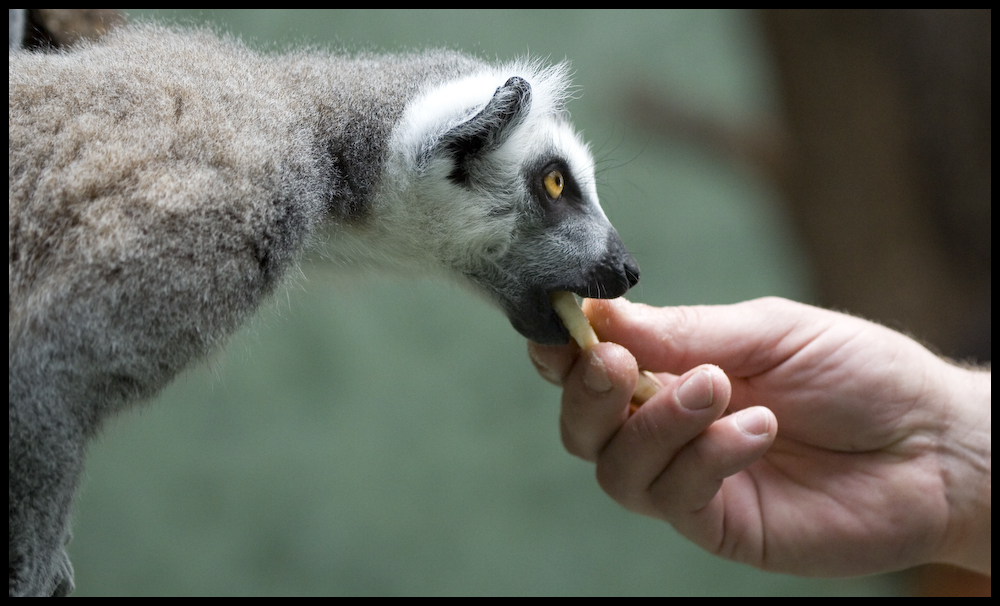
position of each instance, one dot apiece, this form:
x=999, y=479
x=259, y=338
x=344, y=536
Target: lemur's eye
x=554, y=183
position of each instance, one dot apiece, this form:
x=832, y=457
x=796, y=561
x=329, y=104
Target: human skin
x=787, y=437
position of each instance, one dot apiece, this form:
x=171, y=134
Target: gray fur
x=161, y=184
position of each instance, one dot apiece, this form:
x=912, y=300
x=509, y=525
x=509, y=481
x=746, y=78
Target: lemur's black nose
x=612, y=276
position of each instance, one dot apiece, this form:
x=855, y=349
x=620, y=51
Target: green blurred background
x=374, y=436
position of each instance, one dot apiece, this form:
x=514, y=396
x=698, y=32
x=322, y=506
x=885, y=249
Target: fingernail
x=753, y=421
x=595, y=375
x=696, y=392
x=544, y=369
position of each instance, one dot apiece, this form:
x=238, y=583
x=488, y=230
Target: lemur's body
x=161, y=184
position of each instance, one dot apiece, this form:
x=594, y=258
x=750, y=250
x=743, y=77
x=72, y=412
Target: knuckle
x=684, y=326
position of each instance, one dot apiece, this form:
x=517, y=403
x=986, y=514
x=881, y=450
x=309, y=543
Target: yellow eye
x=554, y=183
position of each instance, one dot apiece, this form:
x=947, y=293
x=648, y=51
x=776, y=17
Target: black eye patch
x=570, y=198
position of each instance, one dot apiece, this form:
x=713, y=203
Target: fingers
x=598, y=384
x=595, y=399
x=668, y=459
x=553, y=362
x=696, y=473
x=649, y=440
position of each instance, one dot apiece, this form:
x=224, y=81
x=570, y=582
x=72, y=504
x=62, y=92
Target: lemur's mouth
x=536, y=320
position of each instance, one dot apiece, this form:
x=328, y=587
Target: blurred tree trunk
x=51, y=28
x=888, y=164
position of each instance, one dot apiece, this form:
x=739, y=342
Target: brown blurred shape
x=62, y=27
x=888, y=173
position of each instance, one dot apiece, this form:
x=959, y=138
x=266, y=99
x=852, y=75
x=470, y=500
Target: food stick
x=583, y=333
x=572, y=316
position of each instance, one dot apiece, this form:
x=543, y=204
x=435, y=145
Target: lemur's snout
x=612, y=275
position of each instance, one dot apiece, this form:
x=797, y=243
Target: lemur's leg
x=46, y=453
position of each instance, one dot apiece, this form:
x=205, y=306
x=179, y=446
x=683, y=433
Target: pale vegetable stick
x=645, y=387
x=583, y=333
x=564, y=302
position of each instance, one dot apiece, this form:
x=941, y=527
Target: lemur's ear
x=488, y=129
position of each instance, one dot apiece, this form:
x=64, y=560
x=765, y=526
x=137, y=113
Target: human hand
x=882, y=460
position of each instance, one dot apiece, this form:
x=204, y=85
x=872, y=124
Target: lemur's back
x=122, y=172
x=171, y=203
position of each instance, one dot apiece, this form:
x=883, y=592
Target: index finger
x=744, y=339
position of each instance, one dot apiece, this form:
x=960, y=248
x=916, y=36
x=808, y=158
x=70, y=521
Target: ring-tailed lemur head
x=490, y=168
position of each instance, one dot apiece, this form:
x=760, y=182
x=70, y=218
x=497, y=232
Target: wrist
x=967, y=469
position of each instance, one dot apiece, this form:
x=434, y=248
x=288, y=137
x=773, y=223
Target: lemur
x=161, y=182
